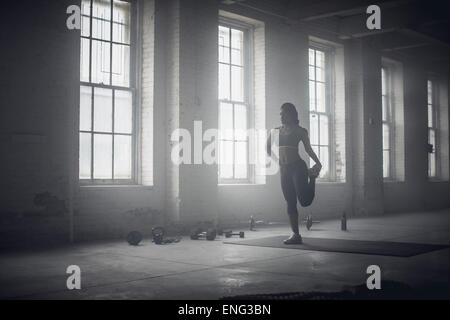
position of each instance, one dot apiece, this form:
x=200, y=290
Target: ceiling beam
x=406, y=47
x=425, y=37
x=333, y=8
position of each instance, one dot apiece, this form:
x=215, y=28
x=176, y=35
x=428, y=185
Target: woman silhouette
x=297, y=182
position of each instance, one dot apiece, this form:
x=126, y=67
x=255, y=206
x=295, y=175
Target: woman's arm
x=308, y=149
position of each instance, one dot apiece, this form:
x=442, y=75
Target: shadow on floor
x=391, y=290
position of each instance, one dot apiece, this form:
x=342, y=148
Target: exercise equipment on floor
x=198, y=234
x=309, y=221
x=134, y=237
x=344, y=222
x=229, y=234
x=158, y=236
x=252, y=223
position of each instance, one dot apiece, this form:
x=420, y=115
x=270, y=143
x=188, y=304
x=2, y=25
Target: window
x=438, y=128
x=320, y=112
x=392, y=120
x=432, y=128
x=387, y=121
x=234, y=103
x=107, y=131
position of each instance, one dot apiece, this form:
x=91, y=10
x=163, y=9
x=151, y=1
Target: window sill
x=330, y=182
x=240, y=184
x=392, y=181
x=437, y=180
x=114, y=186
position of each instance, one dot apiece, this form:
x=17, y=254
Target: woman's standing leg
x=290, y=195
x=288, y=188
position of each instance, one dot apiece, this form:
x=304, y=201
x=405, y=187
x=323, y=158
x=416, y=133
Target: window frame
x=248, y=67
x=390, y=119
x=435, y=127
x=330, y=104
x=133, y=84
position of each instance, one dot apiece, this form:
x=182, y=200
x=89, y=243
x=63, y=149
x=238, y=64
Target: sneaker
x=294, y=239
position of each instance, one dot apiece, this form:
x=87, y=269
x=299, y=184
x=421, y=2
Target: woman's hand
x=319, y=166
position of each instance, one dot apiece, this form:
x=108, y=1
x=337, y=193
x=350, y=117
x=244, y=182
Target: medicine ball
x=134, y=237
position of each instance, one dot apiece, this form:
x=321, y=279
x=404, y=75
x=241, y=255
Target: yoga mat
x=383, y=248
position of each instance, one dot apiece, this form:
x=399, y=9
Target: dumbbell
x=158, y=235
x=198, y=234
x=229, y=234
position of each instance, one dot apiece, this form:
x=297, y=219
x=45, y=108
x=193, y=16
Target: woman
x=293, y=170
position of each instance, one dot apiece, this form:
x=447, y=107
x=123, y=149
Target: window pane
x=384, y=108
x=432, y=138
x=320, y=59
x=224, y=36
x=85, y=108
x=316, y=151
x=121, y=65
x=312, y=73
x=311, y=57
x=432, y=164
x=323, y=127
x=386, y=159
x=324, y=158
x=224, y=81
x=383, y=81
x=100, y=62
x=237, y=39
x=123, y=111
x=85, y=18
x=226, y=159
x=102, y=110
x=314, y=128
x=237, y=81
x=312, y=96
x=101, y=29
x=430, y=92
x=122, y=157
x=386, y=144
x=121, y=21
x=102, y=156
x=85, y=26
x=240, y=160
x=226, y=121
x=102, y=9
x=224, y=54
x=320, y=97
x=84, y=60
x=240, y=122
x=430, y=116
x=237, y=57
x=320, y=74
x=86, y=7
x=85, y=156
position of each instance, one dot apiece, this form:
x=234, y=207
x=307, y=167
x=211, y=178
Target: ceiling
x=411, y=28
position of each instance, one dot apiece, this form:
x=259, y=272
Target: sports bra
x=288, y=140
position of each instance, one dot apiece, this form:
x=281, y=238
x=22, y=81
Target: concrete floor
x=211, y=269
